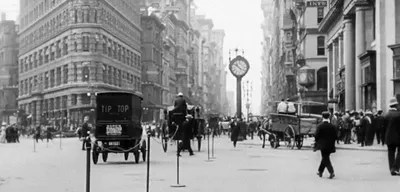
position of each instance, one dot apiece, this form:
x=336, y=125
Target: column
x=340, y=45
x=360, y=48
x=71, y=72
x=335, y=66
x=349, y=58
x=38, y=112
x=330, y=69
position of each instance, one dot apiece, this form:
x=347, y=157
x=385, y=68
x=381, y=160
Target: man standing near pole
x=188, y=126
x=85, y=129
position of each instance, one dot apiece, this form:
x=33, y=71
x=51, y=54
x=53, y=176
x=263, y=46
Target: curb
x=337, y=147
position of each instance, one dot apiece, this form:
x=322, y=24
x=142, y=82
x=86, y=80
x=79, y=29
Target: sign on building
x=317, y=3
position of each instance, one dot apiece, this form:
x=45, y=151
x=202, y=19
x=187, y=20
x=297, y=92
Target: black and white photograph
x=199, y=95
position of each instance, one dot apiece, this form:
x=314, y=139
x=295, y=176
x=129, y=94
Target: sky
x=241, y=21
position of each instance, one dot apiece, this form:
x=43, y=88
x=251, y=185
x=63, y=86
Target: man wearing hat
x=180, y=104
x=392, y=137
x=325, y=138
x=188, y=127
x=347, y=121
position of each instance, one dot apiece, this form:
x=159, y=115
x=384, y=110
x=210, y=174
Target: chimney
x=3, y=16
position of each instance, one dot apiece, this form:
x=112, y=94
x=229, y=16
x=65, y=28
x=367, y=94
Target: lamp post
x=92, y=93
x=248, y=90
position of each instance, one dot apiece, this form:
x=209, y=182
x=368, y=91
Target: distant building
x=231, y=97
x=8, y=69
x=70, y=50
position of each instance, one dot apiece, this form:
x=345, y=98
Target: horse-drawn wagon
x=291, y=129
x=172, y=121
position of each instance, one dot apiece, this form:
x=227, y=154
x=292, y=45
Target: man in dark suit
x=188, y=127
x=235, y=129
x=379, y=122
x=85, y=129
x=325, y=138
x=391, y=124
x=180, y=104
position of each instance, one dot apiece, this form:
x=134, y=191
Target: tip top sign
x=317, y=3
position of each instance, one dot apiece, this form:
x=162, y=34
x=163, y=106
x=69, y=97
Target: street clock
x=239, y=66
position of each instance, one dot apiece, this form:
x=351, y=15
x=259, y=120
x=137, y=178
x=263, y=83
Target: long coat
x=180, y=105
x=325, y=137
x=391, y=124
x=235, y=131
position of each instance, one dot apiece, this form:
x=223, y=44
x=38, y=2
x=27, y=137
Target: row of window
x=62, y=75
x=85, y=42
x=38, y=11
x=80, y=15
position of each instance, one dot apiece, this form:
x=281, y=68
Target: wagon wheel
x=95, y=153
x=289, y=137
x=299, y=141
x=164, y=140
x=105, y=156
x=273, y=141
x=143, y=150
x=126, y=156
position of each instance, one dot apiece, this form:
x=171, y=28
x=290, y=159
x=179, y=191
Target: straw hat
x=393, y=101
x=189, y=116
x=368, y=112
x=3, y=124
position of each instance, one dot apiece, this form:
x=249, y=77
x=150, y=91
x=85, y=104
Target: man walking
x=379, y=122
x=325, y=138
x=85, y=129
x=392, y=122
x=188, y=126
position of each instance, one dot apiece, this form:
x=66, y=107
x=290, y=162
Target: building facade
x=70, y=50
x=153, y=70
x=359, y=53
x=311, y=55
x=278, y=75
x=8, y=69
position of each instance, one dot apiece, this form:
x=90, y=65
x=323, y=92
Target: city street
x=247, y=167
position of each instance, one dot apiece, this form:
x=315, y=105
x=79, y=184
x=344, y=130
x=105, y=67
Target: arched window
x=322, y=79
x=321, y=45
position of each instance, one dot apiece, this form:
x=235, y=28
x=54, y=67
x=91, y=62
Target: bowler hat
x=393, y=102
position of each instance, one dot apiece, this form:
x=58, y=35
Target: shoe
x=319, y=174
x=332, y=175
x=394, y=173
x=191, y=154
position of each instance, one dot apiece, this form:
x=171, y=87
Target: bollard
x=88, y=150
x=60, y=139
x=34, y=143
x=177, y=164
x=212, y=147
x=208, y=146
x=148, y=161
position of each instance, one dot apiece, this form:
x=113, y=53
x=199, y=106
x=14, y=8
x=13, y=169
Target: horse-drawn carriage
x=170, y=131
x=292, y=129
x=118, y=127
x=213, y=124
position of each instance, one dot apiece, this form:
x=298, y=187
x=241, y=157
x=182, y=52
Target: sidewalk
x=309, y=141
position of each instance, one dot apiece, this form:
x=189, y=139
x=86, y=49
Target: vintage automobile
x=118, y=126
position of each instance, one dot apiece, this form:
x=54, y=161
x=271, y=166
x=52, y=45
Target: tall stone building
x=153, y=71
x=70, y=50
x=8, y=69
x=281, y=82
x=218, y=73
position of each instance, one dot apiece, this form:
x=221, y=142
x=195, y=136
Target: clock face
x=303, y=77
x=239, y=67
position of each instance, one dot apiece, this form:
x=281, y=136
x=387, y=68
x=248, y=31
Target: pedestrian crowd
x=362, y=128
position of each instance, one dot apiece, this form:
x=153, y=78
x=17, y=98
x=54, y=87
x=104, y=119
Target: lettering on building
x=317, y=3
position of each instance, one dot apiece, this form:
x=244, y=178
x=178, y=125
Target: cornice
x=331, y=16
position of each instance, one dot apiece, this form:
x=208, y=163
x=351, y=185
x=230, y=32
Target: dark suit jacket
x=392, y=126
x=85, y=129
x=180, y=105
x=188, y=126
x=325, y=137
x=235, y=129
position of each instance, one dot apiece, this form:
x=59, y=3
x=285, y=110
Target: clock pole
x=239, y=66
x=239, y=97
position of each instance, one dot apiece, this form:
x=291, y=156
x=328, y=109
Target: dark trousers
x=394, y=160
x=346, y=136
x=380, y=136
x=234, y=142
x=84, y=144
x=185, y=145
x=325, y=163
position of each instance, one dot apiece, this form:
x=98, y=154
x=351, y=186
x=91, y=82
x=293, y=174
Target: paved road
x=245, y=168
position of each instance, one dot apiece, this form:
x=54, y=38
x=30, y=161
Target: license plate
x=114, y=143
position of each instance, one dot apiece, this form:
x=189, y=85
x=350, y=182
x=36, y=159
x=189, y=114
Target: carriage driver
x=180, y=104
